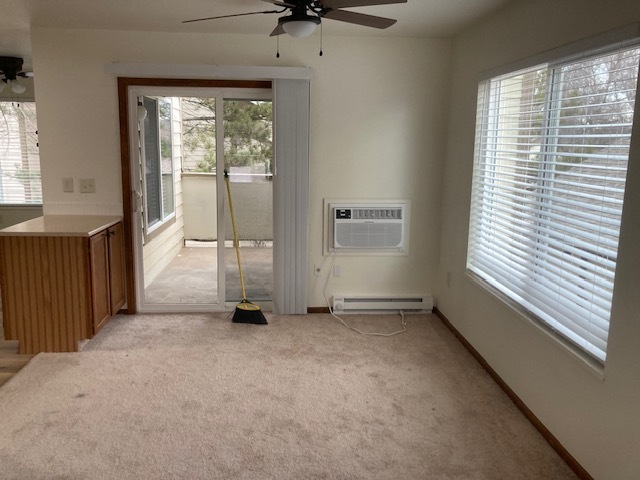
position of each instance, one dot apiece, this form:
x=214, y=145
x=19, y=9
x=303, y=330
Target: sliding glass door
x=184, y=244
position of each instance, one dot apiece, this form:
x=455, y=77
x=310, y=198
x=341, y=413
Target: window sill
x=20, y=205
x=588, y=363
x=158, y=229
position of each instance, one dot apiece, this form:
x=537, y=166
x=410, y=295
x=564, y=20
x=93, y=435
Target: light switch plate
x=87, y=185
x=67, y=185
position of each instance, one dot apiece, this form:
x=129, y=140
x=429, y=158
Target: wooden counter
x=62, y=278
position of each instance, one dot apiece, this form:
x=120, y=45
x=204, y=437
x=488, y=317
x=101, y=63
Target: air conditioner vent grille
x=368, y=235
x=376, y=213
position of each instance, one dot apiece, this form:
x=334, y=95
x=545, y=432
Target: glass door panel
x=181, y=261
x=248, y=157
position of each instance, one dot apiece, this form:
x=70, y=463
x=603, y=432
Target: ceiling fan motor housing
x=295, y=17
x=10, y=67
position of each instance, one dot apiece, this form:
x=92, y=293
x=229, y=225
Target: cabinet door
x=116, y=267
x=99, y=256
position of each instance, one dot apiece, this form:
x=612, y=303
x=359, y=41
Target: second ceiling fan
x=306, y=15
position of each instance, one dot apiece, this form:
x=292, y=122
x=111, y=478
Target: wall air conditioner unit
x=369, y=227
x=370, y=304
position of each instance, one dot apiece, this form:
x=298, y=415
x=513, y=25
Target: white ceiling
x=417, y=18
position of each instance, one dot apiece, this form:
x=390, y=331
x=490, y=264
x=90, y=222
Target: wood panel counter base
x=59, y=290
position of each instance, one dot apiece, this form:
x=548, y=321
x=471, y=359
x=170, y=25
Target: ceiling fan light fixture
x=299, y=27
x=16, y=87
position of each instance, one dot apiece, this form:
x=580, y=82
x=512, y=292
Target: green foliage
x=208, y=163
x=247, y=132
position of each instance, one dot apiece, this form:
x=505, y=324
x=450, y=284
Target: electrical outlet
x=87, y=185
x=67, y=185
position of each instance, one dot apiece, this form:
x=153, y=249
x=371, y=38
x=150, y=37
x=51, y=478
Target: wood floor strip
x=11, y=362
x=8, y=346
x=5, y=377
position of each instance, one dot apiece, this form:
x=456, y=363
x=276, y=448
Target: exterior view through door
x=184, y=241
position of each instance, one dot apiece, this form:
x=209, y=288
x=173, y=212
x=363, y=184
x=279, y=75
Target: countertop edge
x=62, y=226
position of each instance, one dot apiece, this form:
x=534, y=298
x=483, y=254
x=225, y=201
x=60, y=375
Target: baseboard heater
x=371, y=304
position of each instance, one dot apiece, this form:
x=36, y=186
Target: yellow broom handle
x=235, y=235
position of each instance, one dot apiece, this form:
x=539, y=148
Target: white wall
x=378, y=122
x=597, y=420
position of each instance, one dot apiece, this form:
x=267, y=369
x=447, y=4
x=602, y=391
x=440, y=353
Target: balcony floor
x=192, y=276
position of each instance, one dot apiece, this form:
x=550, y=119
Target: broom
x=246, y=312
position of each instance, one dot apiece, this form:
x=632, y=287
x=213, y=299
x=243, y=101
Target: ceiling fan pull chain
x=278, y=46
x=321, y=53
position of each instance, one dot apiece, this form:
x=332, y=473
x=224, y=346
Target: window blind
x=551, y=153
x=20, y=181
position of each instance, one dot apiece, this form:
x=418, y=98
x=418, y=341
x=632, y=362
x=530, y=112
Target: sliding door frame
x=129, y=88
x=220, y=95
x=290, y=265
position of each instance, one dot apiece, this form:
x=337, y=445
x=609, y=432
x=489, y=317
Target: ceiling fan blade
x=281, y=4
x=229, y=16
x=333, y=4
x=359, y=18
x=277, y=31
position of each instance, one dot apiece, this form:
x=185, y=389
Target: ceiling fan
x=306, y=15
x=10, y=70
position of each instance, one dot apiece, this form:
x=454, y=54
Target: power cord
x=350, y=327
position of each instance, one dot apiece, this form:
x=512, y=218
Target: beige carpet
x=198, y=397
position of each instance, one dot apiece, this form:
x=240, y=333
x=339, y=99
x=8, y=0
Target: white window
x=552, y=146
x=158, y=163
x=20, y=182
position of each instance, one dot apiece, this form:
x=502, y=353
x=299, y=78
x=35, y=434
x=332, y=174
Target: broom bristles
x=247, y=312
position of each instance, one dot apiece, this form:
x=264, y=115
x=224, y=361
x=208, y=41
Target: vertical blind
x=551, y=153
x=19, y=158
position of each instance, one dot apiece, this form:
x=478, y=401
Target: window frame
x=165, y=218
x=482, y=139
